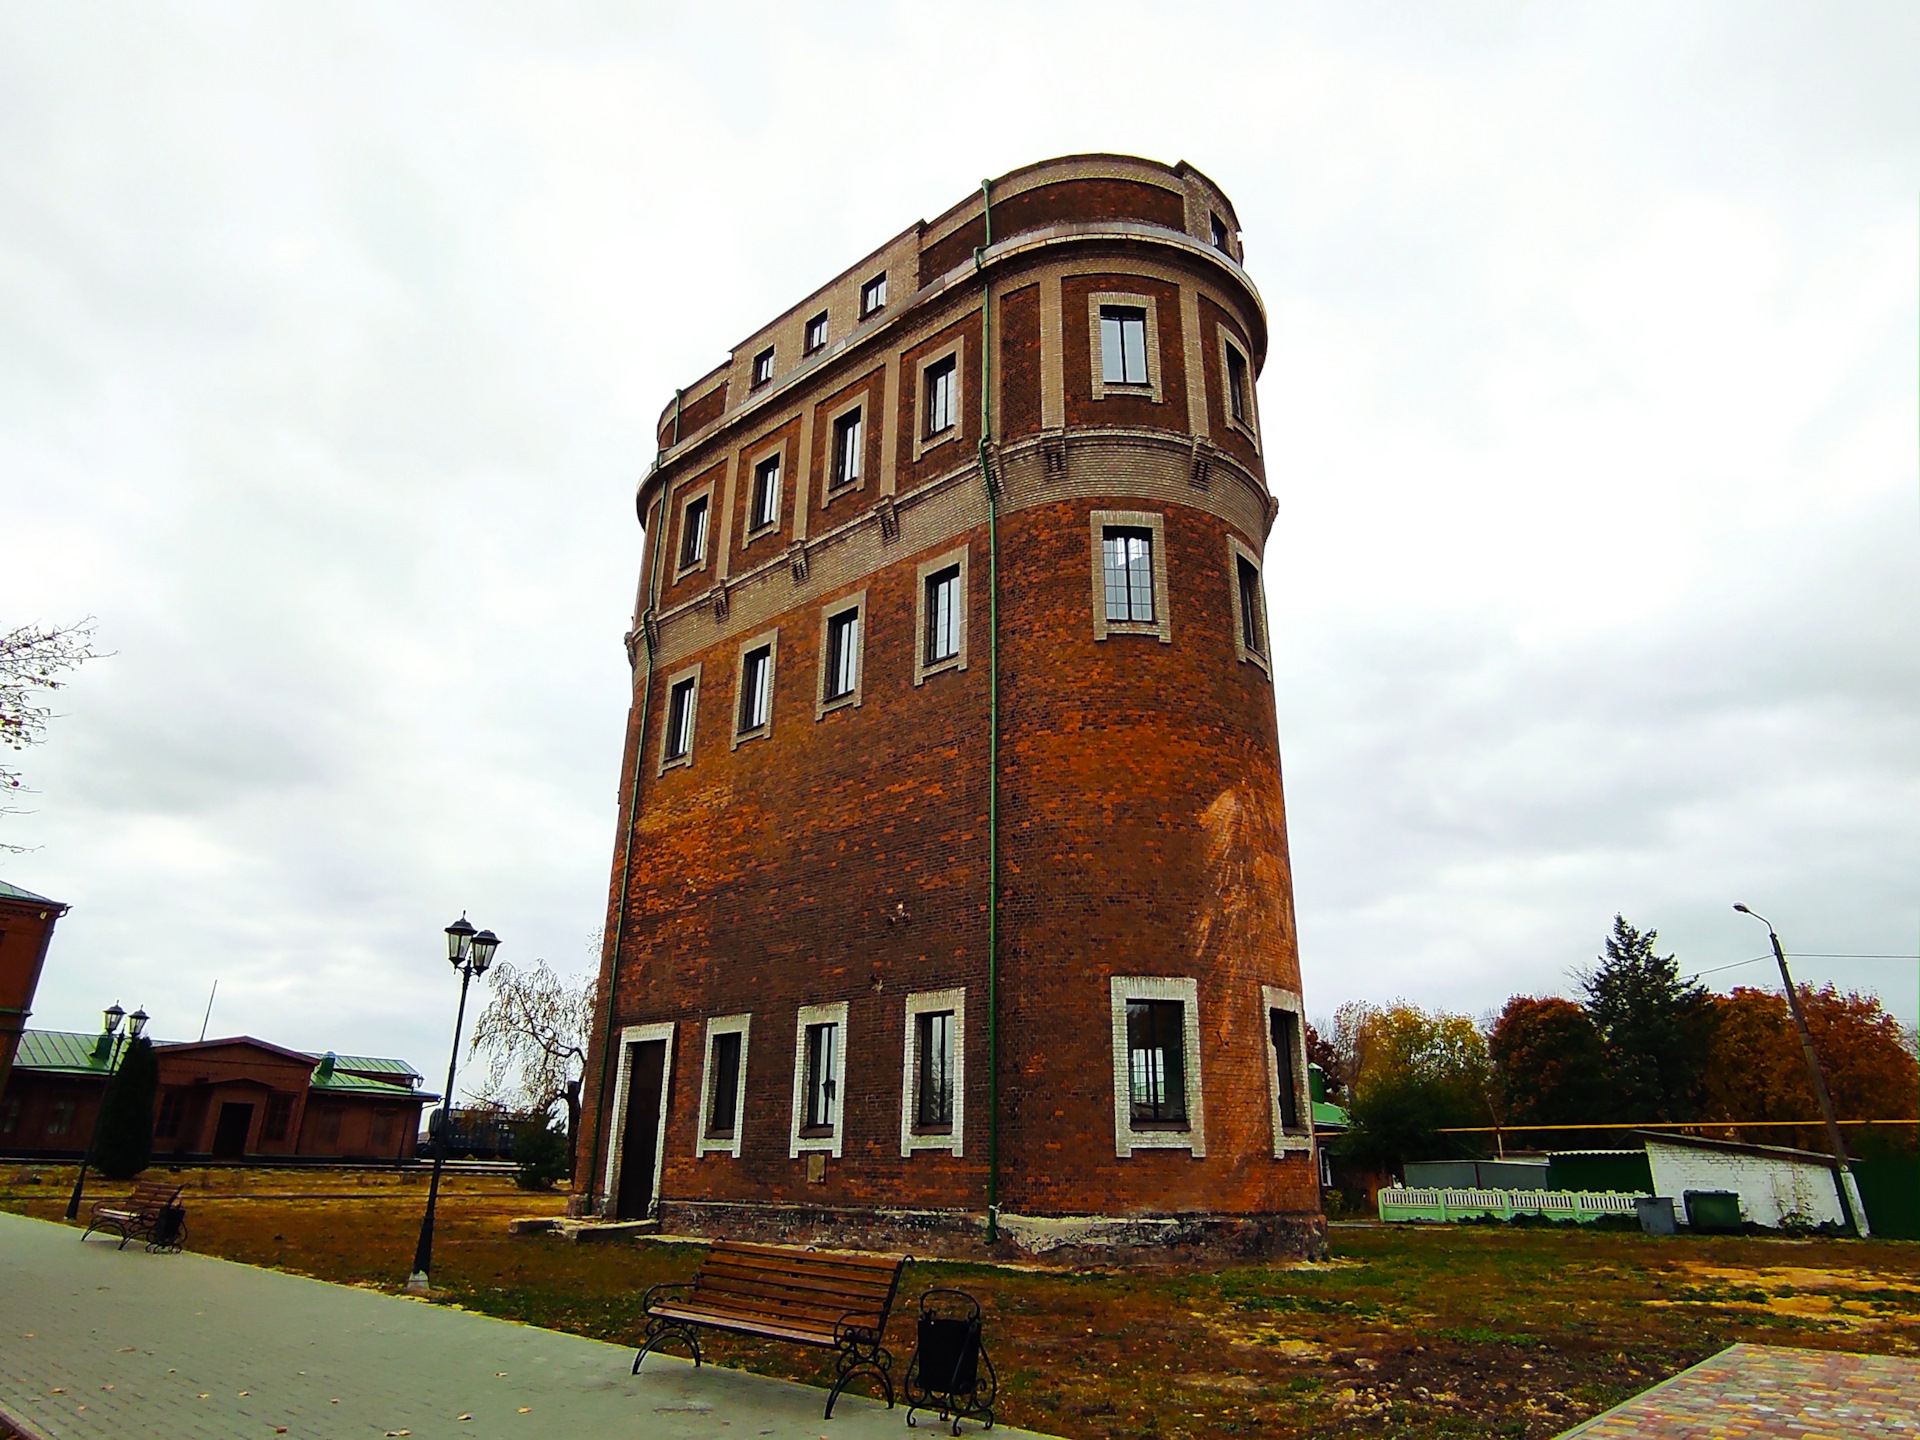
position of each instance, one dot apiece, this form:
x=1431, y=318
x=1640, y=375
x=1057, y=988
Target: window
x=279, y=1117
x=756, y=689
x=1156, y=1042
x=763, y=367
x=173, y=1111
x=764, y=507
x=1283, y=1027
x=680, y=703
x=843, y=656
x=943, y=615
x=1127, y=562
x=381, y=1135
x=1237, y=386
x=60, y=1117
x=1129, y=555
x=683, y=708
x=847, y=447
x=1123, y=345
x=940, y=385
x=723, y=1092
x=1252, y=632
x=873, y=295
x=1157, y=1100
x=933, y=1050
x=327, y=1131
x=816, y=335
x=823, y=1043
x=693, y=532
x=10, y=1117
x=819, y=1078
x=1219, y=232
x=1288, y=1092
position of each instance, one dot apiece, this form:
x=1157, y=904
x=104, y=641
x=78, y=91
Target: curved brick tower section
x=800, y=1037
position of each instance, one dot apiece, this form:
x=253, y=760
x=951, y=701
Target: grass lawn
x=1409, y=1331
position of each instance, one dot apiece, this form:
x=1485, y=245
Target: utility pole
x=1841, y=1171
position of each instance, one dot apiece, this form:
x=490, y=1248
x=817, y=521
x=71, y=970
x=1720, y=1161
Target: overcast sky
x=331, y=340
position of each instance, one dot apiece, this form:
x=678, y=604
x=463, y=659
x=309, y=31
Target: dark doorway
x=645, y=1080
x=230, y=1136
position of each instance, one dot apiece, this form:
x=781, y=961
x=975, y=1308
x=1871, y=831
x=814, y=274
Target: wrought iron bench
x=139, y=1216
x=834, y=1299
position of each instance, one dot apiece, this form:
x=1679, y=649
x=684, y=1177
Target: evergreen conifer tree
x=1656, y=1028
x=123, y=1140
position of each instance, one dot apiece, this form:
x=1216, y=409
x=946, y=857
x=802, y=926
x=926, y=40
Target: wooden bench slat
x=836, y=1300
x=823, y=1317
x=729, y=1278
x=841, y=1274
x=745, y=1325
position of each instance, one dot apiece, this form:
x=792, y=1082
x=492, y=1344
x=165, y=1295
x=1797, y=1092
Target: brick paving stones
x=98, y=1342
x=1759, y=1392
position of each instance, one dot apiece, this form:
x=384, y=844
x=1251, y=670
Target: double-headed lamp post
x=470, y=954
x=1840, y=1169
x=108, y=1046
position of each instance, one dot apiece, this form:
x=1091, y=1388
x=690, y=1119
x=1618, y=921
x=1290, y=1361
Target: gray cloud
x=331, y=342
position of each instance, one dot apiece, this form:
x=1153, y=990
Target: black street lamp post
x=470, y=954
x=1814, y=1073
x=110, y=1045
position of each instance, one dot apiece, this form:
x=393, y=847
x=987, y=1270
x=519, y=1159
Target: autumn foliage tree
x=1757, y=1069
x=1549, y=1063
x=1411, y=1073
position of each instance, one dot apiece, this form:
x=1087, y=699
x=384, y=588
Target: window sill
x=839, y=488
x=685, y=570
x=772, y=527
x=930, y=1132
x=759, y=732
x=1151, y=629
x=816, y=1132
x=839, y=702
x=938, y=667
x=1160, y=1127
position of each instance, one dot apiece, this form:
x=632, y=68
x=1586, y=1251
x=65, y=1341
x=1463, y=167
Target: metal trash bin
x=1713, y=1212
x=1656, y=1214
x=950, y=1372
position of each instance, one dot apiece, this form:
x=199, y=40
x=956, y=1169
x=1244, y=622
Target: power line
x=1799, y=955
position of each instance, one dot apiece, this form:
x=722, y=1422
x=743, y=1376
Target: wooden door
x=646, y=1084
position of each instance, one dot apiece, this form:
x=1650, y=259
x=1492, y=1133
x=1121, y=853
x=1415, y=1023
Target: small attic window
x=763, y=366
x=1220, y=237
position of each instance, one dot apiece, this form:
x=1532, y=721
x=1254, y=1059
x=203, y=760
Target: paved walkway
x=1759, y=1392
x=102, y=1342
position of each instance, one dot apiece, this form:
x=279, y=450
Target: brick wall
x=842, y=857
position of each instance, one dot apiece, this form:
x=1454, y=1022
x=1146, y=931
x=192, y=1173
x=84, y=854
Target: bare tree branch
x=33, y=660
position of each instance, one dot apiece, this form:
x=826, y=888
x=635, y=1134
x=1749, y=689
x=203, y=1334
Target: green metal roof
x=377, y=1065
x=60, y=1050
x=14, y=892
x=340, y=1083
x=1329, y=1117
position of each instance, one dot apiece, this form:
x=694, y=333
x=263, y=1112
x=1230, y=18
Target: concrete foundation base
x=962, y=1234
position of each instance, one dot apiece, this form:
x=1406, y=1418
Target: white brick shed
x=1772, y=1181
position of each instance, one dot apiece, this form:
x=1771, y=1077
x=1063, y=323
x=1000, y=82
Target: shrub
x=541, y=1153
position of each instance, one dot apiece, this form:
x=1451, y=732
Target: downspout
x=658, y=538
x=993, y=718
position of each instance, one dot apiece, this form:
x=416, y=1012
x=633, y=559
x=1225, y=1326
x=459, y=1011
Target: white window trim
x=704, y=1144
x=957, y=350
x=777, y=452
x=771, y=354
x=1238, y=550
x=823, y=707
x=1250, y=427
x=1097, y=351
x=630, y=1036
x=1162, y=623
x=919, y=1004
x=798, y=1144
x=680, y=572
x=1126, y=1139
x=831, y=492
x=860, y=298
x=1299, y=1140
x=770, y=639
x=667, y=763
x=825, y=317
x=921, y=666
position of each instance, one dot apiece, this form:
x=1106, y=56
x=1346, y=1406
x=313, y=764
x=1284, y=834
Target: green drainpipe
x=633, y=820
x=993, y=721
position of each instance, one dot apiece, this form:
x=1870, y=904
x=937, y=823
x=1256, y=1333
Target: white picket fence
x=1398, y=1202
